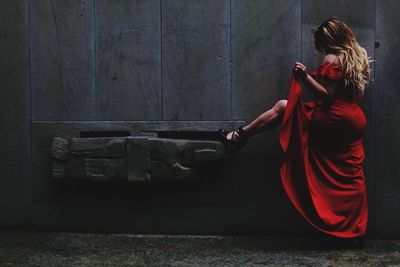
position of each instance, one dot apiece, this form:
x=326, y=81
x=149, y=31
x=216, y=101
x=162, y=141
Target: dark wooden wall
x=15, y=114
x=387, y=119
x=140, y=65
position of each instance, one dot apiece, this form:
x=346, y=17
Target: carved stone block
x=132, y=158
x=102, y=147
x=59, y=149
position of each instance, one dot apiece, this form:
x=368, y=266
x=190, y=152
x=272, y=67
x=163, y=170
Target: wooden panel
x=387, y=132
x=266, y=39
x=265, y=44
x=195, y=60
x=62, y=60
x=359, y=15
x=15, y=186
x=128, y=60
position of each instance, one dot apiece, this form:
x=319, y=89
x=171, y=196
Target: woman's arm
x=324, y=90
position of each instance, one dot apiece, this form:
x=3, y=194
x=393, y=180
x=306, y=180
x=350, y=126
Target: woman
x=322, y=169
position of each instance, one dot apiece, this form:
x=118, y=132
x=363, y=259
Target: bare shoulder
x=331, y=58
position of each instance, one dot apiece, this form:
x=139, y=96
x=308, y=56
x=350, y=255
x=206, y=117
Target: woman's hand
x=300, y=70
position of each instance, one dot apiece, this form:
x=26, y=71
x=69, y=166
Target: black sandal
x=230, y=144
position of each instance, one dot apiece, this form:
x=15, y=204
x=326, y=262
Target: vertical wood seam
x=161, y=65
x=301, y=30
x=373, y=127
x=230, y=60
x=30, y=110
x=94, y=60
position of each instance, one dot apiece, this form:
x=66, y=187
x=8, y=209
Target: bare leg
x=266, y=121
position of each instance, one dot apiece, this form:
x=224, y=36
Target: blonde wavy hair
x=335, y=37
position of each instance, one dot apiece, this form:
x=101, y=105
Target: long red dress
x=323, y=154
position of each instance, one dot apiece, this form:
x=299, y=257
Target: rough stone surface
x=60, y=148
x=133, y=158
x=105, y=169
x=26, y=248
x=99, y=147
x=211, y=187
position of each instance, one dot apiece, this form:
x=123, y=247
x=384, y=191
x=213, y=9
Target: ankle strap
x=241, y=133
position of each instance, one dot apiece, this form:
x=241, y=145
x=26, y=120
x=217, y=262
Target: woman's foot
x=233, y=136
x=233, y=140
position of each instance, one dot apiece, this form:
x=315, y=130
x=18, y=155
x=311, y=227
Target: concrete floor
x=27, y=248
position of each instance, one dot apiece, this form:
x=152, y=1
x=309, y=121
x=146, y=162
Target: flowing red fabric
x=322, y=168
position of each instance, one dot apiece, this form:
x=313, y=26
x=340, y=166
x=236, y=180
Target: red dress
x=322, y=170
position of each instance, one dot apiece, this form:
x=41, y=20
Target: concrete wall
x=140, y=65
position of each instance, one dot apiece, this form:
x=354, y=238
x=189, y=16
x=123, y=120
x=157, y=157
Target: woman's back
x=330, y=70
x=339, y=120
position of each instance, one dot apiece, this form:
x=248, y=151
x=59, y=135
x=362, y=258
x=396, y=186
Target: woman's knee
x=280, y=106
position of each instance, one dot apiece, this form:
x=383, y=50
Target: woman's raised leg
x=266, y=121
